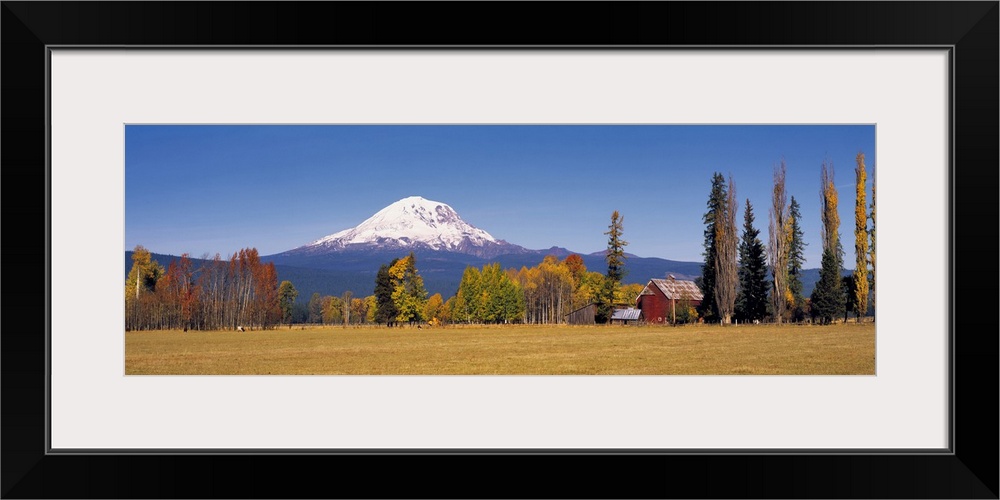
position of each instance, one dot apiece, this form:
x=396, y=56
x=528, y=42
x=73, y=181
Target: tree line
x=239, y=292
x=735, y=272
x=221, y=294
x=543, y=294
x=243, y=291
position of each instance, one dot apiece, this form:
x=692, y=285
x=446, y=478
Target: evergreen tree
x=849, y=288
x=385, y=308
x=615, y=258
x=828, y=298
x=286, y=300
x=716, y=202
x=796, y=260
x=751, y=303
x=616, y=249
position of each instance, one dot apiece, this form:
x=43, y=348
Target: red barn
x=660, y=298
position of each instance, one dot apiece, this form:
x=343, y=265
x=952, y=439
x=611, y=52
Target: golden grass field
x=840, y=349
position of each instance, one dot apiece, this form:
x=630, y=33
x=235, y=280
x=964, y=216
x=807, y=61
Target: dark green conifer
x=751, y=303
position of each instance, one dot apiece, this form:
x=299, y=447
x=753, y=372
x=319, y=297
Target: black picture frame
x=970, y=470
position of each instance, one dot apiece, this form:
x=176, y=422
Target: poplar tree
x=871, y=249
x=860, y=240
x=751, y=304
x=726, y=277
x=778, y=242
x=828, y=296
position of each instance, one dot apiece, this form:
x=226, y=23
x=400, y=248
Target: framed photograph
x=157, y=115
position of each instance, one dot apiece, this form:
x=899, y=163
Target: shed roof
x=676, y=289
x=626, y=314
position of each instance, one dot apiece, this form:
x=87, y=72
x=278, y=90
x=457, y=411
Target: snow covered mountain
x=413, y=223
x=443, y=243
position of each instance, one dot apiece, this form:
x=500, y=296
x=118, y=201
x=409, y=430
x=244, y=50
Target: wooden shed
x=661, y=297
x=626, y=316
x=582, y=316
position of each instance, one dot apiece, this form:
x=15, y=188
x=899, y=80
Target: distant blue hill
x=442, y=271
x=334, y=273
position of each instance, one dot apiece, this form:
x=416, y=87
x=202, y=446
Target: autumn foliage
x=242, y=291
x=860, y=240
x=543, y=294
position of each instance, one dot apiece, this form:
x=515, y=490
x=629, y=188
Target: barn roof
x=676, y=289
x=626, y=314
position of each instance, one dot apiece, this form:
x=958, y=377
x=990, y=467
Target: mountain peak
x=413, y=222
x=414, y=199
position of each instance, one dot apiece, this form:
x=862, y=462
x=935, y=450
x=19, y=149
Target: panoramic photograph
x=499, y=250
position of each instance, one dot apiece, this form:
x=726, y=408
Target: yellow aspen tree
x=432, y=311
x=140, y=282
x=860, y=239
x=830, y=216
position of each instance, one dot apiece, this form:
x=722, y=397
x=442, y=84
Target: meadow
x=840, y=349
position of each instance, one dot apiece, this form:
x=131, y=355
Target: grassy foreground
x=509, y=350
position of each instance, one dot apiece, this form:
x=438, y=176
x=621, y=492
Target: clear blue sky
x=204, y=189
